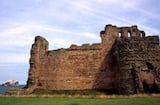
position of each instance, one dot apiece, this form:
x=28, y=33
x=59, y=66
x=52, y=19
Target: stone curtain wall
x=75, y=68
x=109, y=65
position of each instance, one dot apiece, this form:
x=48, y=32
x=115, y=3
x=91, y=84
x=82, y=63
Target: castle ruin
x=125, y=61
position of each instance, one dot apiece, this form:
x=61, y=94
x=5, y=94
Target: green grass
x=78, y=101
x=67, y=92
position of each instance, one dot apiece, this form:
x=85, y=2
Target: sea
x=3, y=89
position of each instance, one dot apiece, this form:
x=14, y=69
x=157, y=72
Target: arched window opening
x=141, y=35
x=120, y=35
x=129, y=34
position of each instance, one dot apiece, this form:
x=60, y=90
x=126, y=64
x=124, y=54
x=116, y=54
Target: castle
x=125, y=61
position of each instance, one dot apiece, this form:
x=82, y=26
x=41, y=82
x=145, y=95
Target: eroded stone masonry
x=125, y=62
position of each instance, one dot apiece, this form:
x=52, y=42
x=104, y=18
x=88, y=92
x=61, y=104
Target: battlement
x=122, y=32
x=95, y=46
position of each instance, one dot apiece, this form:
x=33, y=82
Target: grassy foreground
x=78, y=101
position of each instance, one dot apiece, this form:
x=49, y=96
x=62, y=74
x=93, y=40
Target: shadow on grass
x=74, y=92
x=74, y=104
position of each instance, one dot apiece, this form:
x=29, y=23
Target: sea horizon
x=3, y=89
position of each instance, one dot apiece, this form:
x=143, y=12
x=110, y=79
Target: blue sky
x=63, y=22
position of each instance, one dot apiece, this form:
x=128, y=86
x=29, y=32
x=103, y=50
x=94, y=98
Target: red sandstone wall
x=70, y=70
x=78, y=67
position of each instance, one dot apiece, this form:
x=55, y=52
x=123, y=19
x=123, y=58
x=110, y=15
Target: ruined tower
x=125, y=61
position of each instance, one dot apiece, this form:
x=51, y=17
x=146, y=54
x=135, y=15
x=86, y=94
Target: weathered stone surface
x=38, y=51
x=125, y=61
x=139, y=64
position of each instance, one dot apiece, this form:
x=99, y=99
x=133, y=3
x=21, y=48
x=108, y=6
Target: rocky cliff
x=11, y=83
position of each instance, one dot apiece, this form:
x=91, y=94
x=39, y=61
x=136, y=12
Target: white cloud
x=14, y=58
x=23, y=35
x=89, y=35
x=82, y=5
x=13, y=31
x=149, y=30
x=45, y=28
x=60, y=43
x=121, y=3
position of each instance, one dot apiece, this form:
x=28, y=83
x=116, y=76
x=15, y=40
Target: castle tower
x=38, y=51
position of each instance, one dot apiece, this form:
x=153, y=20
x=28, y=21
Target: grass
x=78, y=101
x=67, y=92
